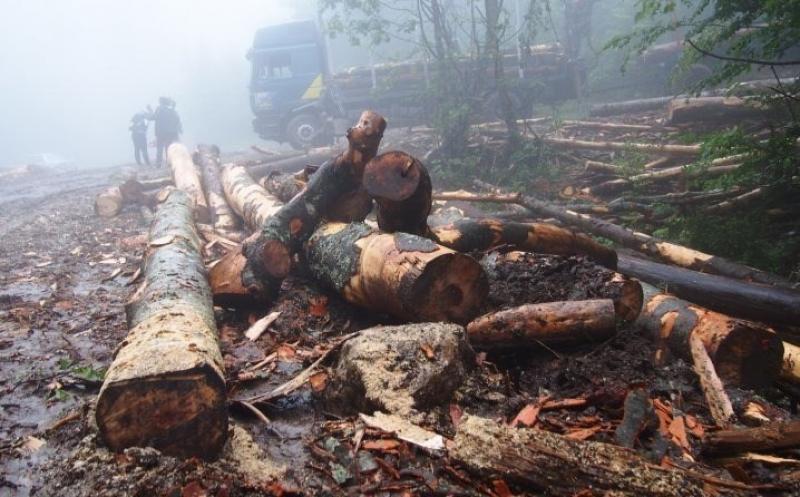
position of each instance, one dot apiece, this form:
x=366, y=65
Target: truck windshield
x=286, y=63
x=275, y=65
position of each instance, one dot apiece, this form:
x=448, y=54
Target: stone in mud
x=400, y=369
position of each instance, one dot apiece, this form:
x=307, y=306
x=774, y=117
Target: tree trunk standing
x=769, y=304
x=577, y=32
x=335, y=191
x=563, y=466
x=492, y=12
x=165, y=387
x=552, y=324
x=471, y=235
x=744, y=353
x=404, y=275
x=187, y=178
x=224, y=219
x=401, y=188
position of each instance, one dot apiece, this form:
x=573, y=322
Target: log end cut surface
x=452, y=287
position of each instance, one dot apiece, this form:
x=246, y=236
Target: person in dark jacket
x=138, y=130
x=168, y=126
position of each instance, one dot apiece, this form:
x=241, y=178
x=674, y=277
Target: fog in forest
x=75, y=72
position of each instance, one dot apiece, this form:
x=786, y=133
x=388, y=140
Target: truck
x=296, y=98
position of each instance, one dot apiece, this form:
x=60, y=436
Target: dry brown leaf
x=318, y=381
x=694, y=426
x=286, y=352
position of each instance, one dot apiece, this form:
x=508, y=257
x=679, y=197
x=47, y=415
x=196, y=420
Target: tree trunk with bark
x=401, y=188
x=744, y=353
x=284, y=186
x=629, y=106
x=223, y=218
x=165, y=387
x=647, y=148
x=247, y=198
x=187, y=178
x=562, y=466
x=552, y=324
x=767, y=438
x=404, y=275
x=469, y=235
x=715, y=109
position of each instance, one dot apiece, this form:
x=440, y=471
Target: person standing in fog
x=138, y=130
x=168, y=126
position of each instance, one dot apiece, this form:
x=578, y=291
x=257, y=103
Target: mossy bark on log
x=401, y=188
x=334, y=192
x=518, y=278
x=247, y=198
x=562, y=466
x=165, y=387
x=223, y=218
x=403, y=275
x=284, y=186
x=187, y=178
x=552, y=323
x=767, y=438
x=744, y=353
x=469, y=235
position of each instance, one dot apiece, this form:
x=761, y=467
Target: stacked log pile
x=505, y=287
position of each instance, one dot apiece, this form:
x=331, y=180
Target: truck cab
x=288, y=72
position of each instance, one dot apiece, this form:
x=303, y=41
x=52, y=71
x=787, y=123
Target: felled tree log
x=563, y=466
x=552, y=323
x=769, y=304
x=334, y=192
x=401, y=188
x=744, y=353
x=469, y=235
x=518, y=278
x=715, y=109
x=284, y=186
x=737, y=202
x=629, y=106
x=109, y=202
x=602, y=167
x=647, y=148
x=290, y=165
x=668, y=173
x=766, y=438
x=224, y=219
x=404, y=275
x=791, y=363
x=247, y=198
x=165, y=387
x=609, y=126
x=187, y=178
x=717, y=400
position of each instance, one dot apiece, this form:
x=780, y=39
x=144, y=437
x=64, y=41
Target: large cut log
x=518, y=278
x=165, y=387
x=552, y=324
x=629, y=106
x=668, y=173
x=109, y=202
x=223, y=218
x=469, y=235
x=736, y=298
x=187, y=178
x=334, y=192
x=744, y=353
x=284, y=186
x=232, y=281
x=401, y=188
x=646, y=148
x=562, y=466
x=404, y=275
x=716, y=109
x=766, y=438
x=737, y=202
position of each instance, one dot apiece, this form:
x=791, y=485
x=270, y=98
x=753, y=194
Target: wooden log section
x=767, y=438
x=232, y=280
x=224, y=219
x=469, y=235
x=768, y=304
x=716, y=109
x=165, y=387
x=629, y=106
x=291, y=164
x=187, y=178
x=401, y=188
x=744, y=353
x=334, y=192
x=518, y=278
x=562, y=466
x=602, y=167
x=109, y=202
x=668, y=173
x=403, y=275
x=647, y=148
x=553, y=324
x=717, y=400
x=284, y=186
x=790, y=371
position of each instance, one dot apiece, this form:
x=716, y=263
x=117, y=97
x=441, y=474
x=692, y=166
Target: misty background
x=74, y=72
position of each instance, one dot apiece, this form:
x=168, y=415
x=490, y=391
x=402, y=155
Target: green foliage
x=85, y=372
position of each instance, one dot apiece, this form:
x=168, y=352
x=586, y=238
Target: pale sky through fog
x=73, y=72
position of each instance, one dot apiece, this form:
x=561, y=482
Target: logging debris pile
x=284, y=340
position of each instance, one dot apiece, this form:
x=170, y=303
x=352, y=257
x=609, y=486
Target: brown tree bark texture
x=187, y=178
x=744, y=353
x=248, y=199
x=224, y=219
x=404, y=275
x=165, y=387
x=471, y=235
x=401, y=188
x=770, y=437
x=561, y=466
x=552, y=323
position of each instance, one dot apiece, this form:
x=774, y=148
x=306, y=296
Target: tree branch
x=742, y=59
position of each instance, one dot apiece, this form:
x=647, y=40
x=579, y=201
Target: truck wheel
x=303, y=130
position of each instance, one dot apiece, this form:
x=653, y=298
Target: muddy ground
x=65, y=275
